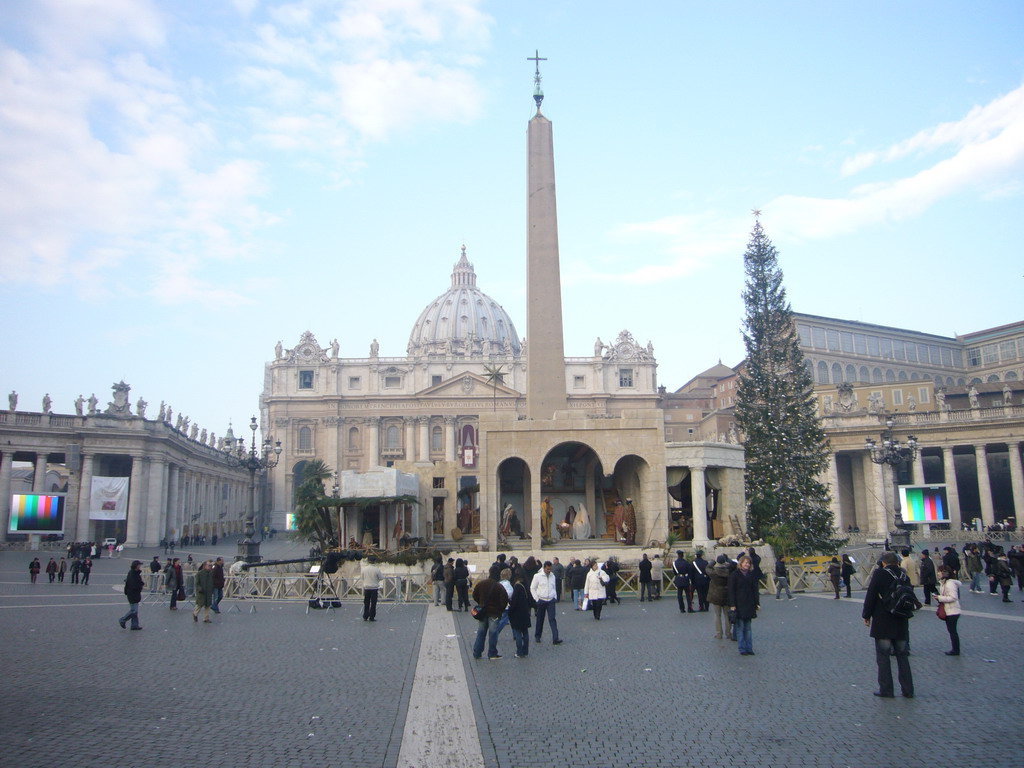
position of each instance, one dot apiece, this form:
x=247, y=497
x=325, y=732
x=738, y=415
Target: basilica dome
x=464, y=321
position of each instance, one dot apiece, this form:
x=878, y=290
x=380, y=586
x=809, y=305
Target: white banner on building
x=108, y=498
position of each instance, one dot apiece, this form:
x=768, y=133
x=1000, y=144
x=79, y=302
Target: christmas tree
x=786, y=447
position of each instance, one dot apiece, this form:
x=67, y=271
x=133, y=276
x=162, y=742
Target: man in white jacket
x=543, y=590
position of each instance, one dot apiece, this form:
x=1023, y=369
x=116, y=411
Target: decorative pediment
x=468, y=384
x=626, y=349
x=308, y=350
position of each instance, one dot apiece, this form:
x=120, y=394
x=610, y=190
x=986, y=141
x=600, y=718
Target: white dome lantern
x=464, y=321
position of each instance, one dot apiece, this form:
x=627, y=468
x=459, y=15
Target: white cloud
x=105, y=167
x=988, y=161
x=980, y=125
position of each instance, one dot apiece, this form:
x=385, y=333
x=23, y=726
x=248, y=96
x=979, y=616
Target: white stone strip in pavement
x=977, y=614
x=440, y=726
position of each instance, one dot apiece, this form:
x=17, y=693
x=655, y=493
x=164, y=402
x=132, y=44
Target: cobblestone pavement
x=645, y=686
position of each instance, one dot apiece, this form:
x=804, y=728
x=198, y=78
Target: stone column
x=424, y=424
x=6, y=462
x=952, y=492
x=835, y=503
x=1017, y=480
x=410, y=438
x=39, y=473
x=84, y=500
x=879, y=516
x=373, y=457
x=988, y=516
x=917, y=475
x=449, y=438
x=700, y=507
x=173, y=499
x=136, y=502
x=156, y=501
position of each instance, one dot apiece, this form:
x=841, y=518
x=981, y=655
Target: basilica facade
x=421, y=414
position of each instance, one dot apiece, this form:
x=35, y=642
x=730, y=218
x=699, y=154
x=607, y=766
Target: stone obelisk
x=545, y=356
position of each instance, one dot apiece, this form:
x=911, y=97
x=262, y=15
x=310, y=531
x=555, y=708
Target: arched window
x=890, y=376
x=915, y=376
x=902, y=376
x=305, y=439
x=353, y=439
x=851, y=374
x=810, y=368
x=864, y=375
x=837, y=373
x=822, y=372
x=436, y=439
x=1011, y=376
x=993, y=378
x=876, y=376
x=391, y=439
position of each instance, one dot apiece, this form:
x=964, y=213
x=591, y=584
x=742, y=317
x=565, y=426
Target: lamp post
x=253, y=461
x=894, y=453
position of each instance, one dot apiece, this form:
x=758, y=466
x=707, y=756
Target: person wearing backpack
x=890, y=631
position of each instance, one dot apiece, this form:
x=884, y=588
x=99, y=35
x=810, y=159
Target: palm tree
x=312, y=516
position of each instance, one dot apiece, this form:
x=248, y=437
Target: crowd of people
x=80, y=569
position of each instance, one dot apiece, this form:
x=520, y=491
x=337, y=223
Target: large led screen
x=924, y=504
x=36, y=513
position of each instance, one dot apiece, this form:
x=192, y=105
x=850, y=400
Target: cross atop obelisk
x=538, y=94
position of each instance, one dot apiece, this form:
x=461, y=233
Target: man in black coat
x=891, y=633
x=928, y=577
x=952, y=561
x=699, y=580
x=682, y=579
x=133, y=585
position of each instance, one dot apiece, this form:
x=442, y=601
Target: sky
x=184, y=183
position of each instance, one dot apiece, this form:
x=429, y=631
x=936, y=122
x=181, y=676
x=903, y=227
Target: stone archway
x=571, y=475
x=514, y=487
x=629, y=479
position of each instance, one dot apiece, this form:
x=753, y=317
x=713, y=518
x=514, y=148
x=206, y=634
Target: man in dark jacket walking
x=133, y=591
x=891, y=633
x=682, y=580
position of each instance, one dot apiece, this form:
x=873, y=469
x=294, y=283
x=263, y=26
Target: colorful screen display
x=924, y=504
x=36, y=513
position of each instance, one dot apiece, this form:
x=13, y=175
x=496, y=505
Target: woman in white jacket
x=594, y=590
x=949, y=599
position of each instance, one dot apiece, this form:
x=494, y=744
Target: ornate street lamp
x=254, y=461
x=894, y=453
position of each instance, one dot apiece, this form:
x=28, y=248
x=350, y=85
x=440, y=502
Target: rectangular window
x=974, y=357
x=897, y=350
x=847, y=341
x=392, y=382
x=922, y=353
x=897, y=397
x=305, y=379
x=1007, y=351
x=990, y=353
x=579, y=382
x=860, y=343
x=947, y=357
x=887, y=349
x=922, y=394
x=873, y=346
x=625, y=377
x=833, y=340
x=819, y=337
x=689, y=417
x=934, y=355
x=804, y=331
x=435, y=380
x=354, y=382
x=911, y=352
x=439, y=482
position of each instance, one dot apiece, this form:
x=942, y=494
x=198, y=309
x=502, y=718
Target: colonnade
x=416, y=436
x=862, y=490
